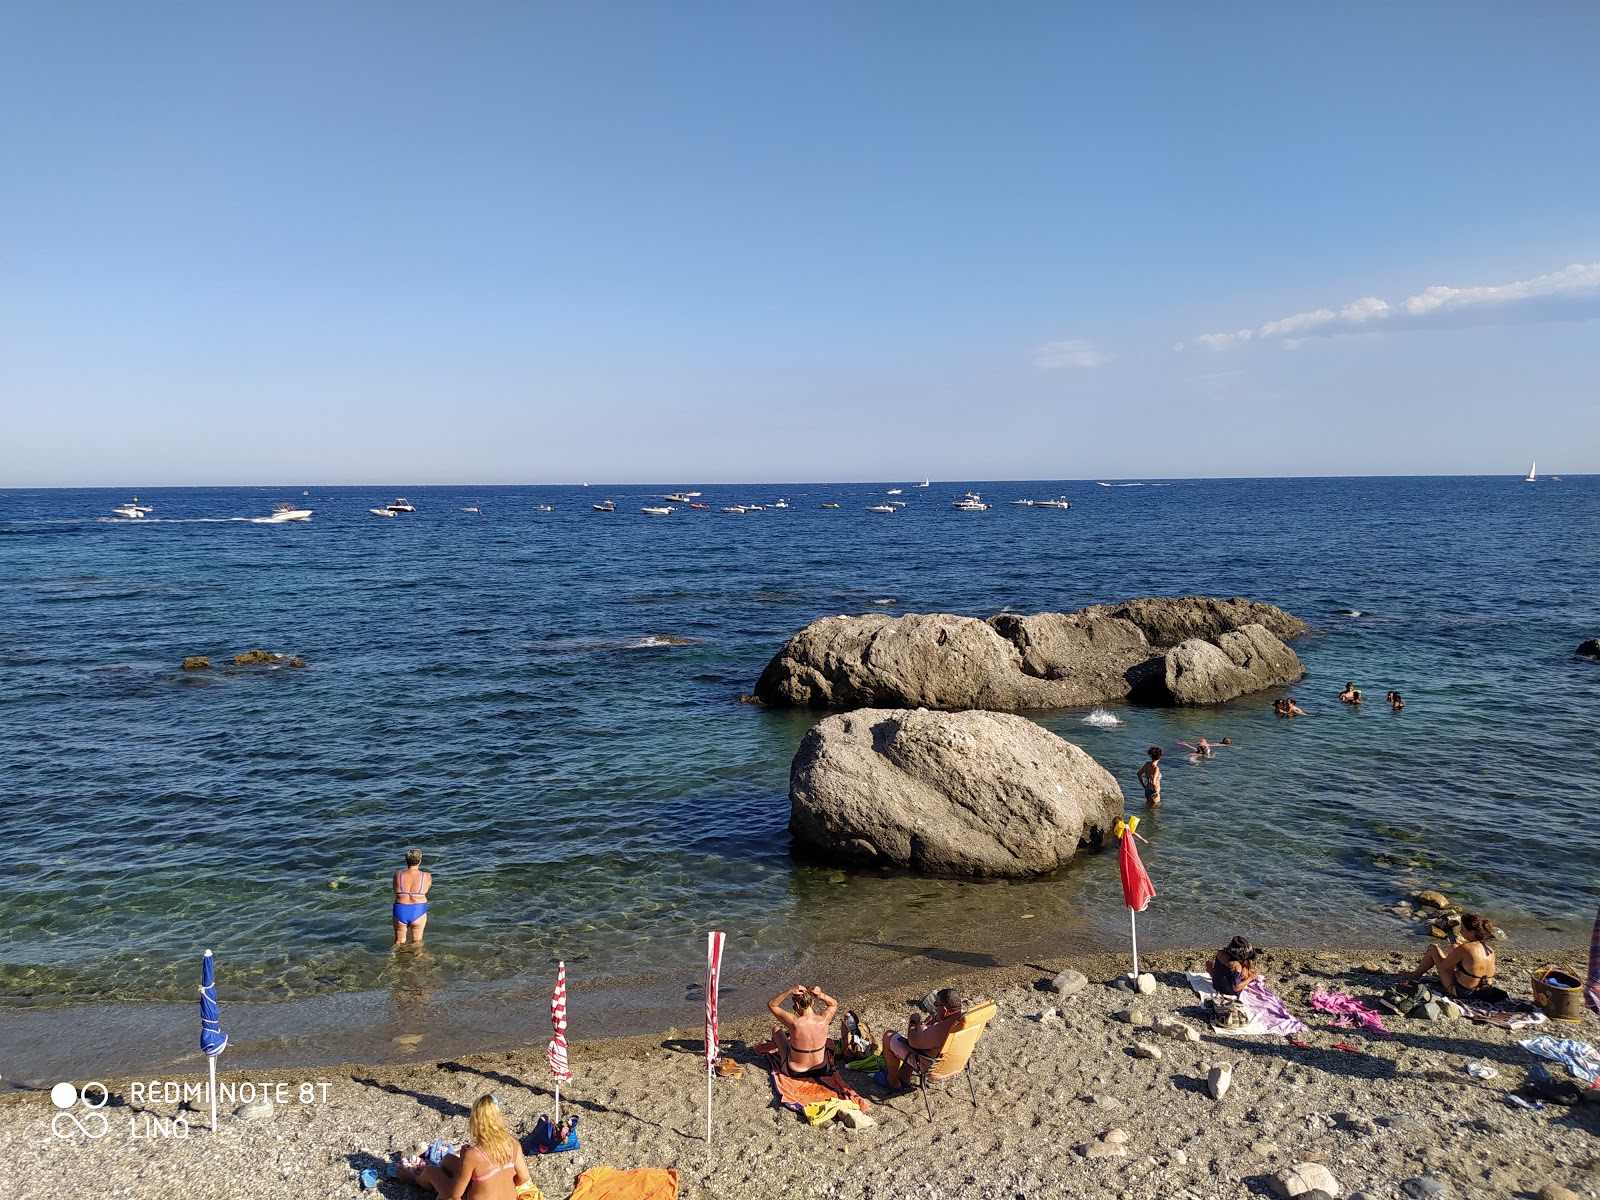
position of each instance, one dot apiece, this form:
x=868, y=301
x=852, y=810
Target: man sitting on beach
x=924, y=1033
x=411, y=884
x=802, y=1035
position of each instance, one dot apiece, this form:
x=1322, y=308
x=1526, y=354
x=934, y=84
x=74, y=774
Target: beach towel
x=1578, y=1057
x=825, y=1110
x=1591, y=989
x=1507, y=1014
x=1267, y=1012
x=608, y=1183
x=815, y=1089
x=1347, y=1011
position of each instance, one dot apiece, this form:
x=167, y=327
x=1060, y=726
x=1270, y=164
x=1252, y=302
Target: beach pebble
x=1170, y=1027
x=1100, y=1100
x=1069, y=983
x=1117, y=1137
x=1219, y=1080
x=1136, y=1017
x=1146, y=1050
x=853, y=1119
x=1554, y=1191
x=1145, y=984
x=1103, y=1150
x=258, y=1110
x=1303, y=1178
x=1425, y=1187
x=1264, y=1149
x=1049, y=1014
x=1432, y=899
x=1179, y=1157
x=1365, y=1126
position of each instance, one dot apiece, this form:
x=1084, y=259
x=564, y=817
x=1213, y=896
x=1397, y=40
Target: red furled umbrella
x=557, y=1053
x=1591, y=988
x=1137, y=890
x=713, y=979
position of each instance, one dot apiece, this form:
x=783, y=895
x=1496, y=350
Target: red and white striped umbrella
x=557, y=1054
x=713, y=979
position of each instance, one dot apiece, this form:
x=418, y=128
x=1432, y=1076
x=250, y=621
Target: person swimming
x=411, y=884
x=1351, y=694
x=1395, y=701
x=1288, y=708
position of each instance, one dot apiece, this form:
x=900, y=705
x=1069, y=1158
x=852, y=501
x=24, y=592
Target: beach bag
x=554, y=1139
x=857, y=1038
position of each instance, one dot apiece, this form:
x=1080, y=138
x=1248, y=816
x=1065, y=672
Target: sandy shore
x=1401, y=1109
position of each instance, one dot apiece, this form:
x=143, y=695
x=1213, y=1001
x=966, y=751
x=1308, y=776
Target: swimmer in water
x=1150, y=776
x=1350, y=695
x=1203, y=750
x=1288, y=708
x=1395, y=702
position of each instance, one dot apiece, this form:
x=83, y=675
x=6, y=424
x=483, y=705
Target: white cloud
x=1056, y=356
x=1572, y=293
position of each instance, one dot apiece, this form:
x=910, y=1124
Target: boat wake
x=1351, y=612
x=1103, y=719
x=887, y=600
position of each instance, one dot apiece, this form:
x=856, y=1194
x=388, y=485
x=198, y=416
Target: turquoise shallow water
x=497, y=688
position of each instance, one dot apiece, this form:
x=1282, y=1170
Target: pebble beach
x=1067, y=1105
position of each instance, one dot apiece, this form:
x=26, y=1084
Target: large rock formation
x=1589, y=649
x=952, y=793
x=1185, y=650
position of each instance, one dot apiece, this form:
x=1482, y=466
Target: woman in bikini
x=411, y=884
x=802, y=1035
x=490, y=1167
x=1467, y=968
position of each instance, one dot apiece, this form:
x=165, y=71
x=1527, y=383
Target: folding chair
x=952, y=1058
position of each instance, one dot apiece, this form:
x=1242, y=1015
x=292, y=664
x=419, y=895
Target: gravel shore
x=1403, y=1109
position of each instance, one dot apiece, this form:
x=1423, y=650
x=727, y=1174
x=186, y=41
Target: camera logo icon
x=70, y=1122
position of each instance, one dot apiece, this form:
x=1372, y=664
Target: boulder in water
x=197, y=662
x=252, y=658
x=1590, y=649
x=950, y=793
x=1242, y=660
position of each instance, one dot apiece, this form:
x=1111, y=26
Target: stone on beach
x=1145, y=984
x=1303, y=1178
x=1173, y=1028
x=1136, y=1017
x=1047, y=660
x=1146, y=1050
x=1068, y=982
x=952, y=793
x=257, y=1110
x=1219, y=1080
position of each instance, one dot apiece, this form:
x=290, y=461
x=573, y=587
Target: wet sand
x=1402, y=1108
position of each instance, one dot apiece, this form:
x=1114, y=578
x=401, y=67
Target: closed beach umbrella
x=1137, y=890
x=713, y=981
x=212, y=1040
x=1591, y=988
x=557, y=1054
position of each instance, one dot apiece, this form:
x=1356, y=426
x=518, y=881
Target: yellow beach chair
x=955, y=1055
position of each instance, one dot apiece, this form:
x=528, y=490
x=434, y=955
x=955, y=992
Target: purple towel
x=1267, y=1011
x=1591, y=990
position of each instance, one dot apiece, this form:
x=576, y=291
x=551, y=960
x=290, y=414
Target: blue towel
x=1578, y=1057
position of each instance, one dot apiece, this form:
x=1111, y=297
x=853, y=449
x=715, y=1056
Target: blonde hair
x=488, y=1131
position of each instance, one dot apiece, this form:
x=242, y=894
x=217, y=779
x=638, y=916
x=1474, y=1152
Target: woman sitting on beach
x=490, y=1167
x=1467, y=968
x=1234, y=967
x=802, y=1035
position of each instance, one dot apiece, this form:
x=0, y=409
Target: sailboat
x=1533, y=473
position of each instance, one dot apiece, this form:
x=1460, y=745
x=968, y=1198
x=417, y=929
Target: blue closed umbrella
x=212, y=1040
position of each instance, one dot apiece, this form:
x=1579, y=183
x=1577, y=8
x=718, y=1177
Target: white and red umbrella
x=713, y=979
x=557, y=1053
x=1137, y=890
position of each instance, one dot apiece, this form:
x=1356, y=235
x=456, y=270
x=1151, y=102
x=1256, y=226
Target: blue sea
x=548, y=704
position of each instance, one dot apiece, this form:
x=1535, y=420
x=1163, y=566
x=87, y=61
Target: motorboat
x=401, y=505
x=476, y=510
x=380, y=512
x=133, y=510
x=894, y=491
x=544, y=508
x=654, y=510
x=734, y=508
x=829, y=505
x=697, y=504
x=284, y=512
x=1058, y=502
x=603, y=506
x=898, y=503
x=692, y=495
x=971, y=502
x=1027, y=502
x=678, y=497
x=780, y=504
x=755, y=508
x=882, y=508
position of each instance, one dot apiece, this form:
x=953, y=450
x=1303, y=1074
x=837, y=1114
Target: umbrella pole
x=708, y=1104
x=1133, y=924
x=212, y=1059
x=558, y=1102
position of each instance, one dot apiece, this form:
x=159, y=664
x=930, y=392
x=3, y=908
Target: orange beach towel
x=608, y=1183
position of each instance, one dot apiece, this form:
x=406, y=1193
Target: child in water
x=1150, y=776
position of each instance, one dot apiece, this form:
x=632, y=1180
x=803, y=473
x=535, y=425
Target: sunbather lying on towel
x=802, y=1035
x=491, y=1167
x=924, y=1033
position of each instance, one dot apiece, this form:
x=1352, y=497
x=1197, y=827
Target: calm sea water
x=498, y=688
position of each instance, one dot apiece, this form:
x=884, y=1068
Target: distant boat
x=924, y=482
x=827, y=504
x=1029, y=502
x=657, y=510
x=476, y=510
x=972, y=502
x=133, y=510
x=603, y=506
x=894, y=491
x=1103, y=484
x=380, y=512
x=401, y=505
x=898, y=503
x=780, y=504
x=697, y=504
x=1058, y=502
x=678, y=497
x=284, y=512
x=755, y=508
x=1533, y=473
x=737, y=509
x=882, y=508
x=544, y=508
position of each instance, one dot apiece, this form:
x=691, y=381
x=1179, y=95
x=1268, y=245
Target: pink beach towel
x=1347, y=1011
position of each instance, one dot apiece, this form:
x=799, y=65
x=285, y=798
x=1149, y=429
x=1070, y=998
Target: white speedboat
x=381, y=512
x=1058, y=502
x=829, y=504
x=680, y=497
x=734, y=508
x=1027, y=502
x=781, y=504
x=283, y=512
x=971, y=502
x=603, y=506
x=401, y=505
x=544, y=508
x=898, y=503
x=882, y=508
x=755, y=508
x=476, y=510
x=894, y=491
x=663, y=510
x=133, y=510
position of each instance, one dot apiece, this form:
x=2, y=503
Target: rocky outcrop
x=197, y=662
x=1589, y=649
x=1187, y=650
x=253, y=658
x=950, y=793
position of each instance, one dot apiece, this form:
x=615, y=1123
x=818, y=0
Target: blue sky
x=527, y=242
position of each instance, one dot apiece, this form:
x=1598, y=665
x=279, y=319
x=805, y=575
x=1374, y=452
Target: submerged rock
x=955, y=793
x=197, y=662
x=1188, y=650
x=251, y=658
